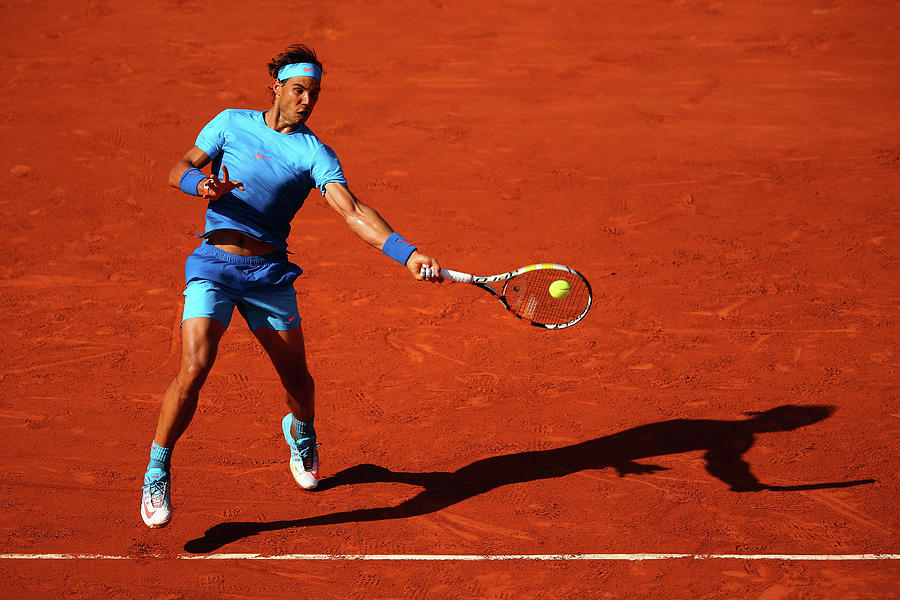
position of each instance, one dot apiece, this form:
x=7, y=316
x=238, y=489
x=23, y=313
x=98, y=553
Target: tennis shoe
x=304, y=460
x=156, y=500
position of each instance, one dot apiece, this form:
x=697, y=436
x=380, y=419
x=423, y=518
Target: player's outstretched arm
x=364, y=221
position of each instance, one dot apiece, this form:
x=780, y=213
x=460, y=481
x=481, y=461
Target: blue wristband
x=398, y=248
x=190, y=180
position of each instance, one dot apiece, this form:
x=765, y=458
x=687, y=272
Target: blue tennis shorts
x=261, y=287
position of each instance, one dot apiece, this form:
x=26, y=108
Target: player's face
x=296, y=98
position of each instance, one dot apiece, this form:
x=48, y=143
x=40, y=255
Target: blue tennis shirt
x=278, y=170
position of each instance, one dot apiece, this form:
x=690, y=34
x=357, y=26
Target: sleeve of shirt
x=326, y=168
x=212, y=137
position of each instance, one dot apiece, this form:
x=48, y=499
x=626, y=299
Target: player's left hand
x=424, y=268
x=214, y=188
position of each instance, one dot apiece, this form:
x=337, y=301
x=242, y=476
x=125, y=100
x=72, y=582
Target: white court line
x=464, y=557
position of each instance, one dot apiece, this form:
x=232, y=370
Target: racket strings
x=528, y=296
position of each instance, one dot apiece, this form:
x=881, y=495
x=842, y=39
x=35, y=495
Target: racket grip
x=456, y=276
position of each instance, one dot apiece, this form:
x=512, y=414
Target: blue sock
x=304, y=435
x=160, y=458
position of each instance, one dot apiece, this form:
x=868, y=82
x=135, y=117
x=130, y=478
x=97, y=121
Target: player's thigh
x=273, y=318
x=207, y=313
x=200, y=337
x=287, y=350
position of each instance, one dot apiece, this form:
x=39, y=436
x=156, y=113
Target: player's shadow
x=723, y=443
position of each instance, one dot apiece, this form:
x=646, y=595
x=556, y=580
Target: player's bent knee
x=193, y=372
x=299, y=384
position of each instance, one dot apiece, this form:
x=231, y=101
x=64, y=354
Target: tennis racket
x=526, y=293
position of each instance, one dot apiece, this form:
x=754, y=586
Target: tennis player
x=264, y=164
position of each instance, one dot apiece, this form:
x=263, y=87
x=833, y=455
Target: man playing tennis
x=275, y=161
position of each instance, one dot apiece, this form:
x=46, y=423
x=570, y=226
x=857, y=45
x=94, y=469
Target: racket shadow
x=724, y=443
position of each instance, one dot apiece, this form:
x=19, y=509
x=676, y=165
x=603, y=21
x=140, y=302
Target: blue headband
x=300, y=70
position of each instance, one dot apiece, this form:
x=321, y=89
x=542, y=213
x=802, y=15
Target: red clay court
x=723, y=421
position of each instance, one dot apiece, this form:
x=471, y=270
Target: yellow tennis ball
x=559, y=288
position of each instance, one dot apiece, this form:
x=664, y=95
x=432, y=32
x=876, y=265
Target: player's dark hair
x=295, y=53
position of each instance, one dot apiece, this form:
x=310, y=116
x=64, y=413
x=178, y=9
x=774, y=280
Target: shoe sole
x=150, y=524
x=296, y=472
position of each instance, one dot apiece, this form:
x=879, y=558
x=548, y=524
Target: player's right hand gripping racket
x=526, y=293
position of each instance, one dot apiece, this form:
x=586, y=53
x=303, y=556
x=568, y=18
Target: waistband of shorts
x=206, y=249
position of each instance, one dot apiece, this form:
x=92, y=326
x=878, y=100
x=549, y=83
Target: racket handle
x=456, y=276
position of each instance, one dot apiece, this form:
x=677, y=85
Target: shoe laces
x=157, y=489
x=310, y=457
